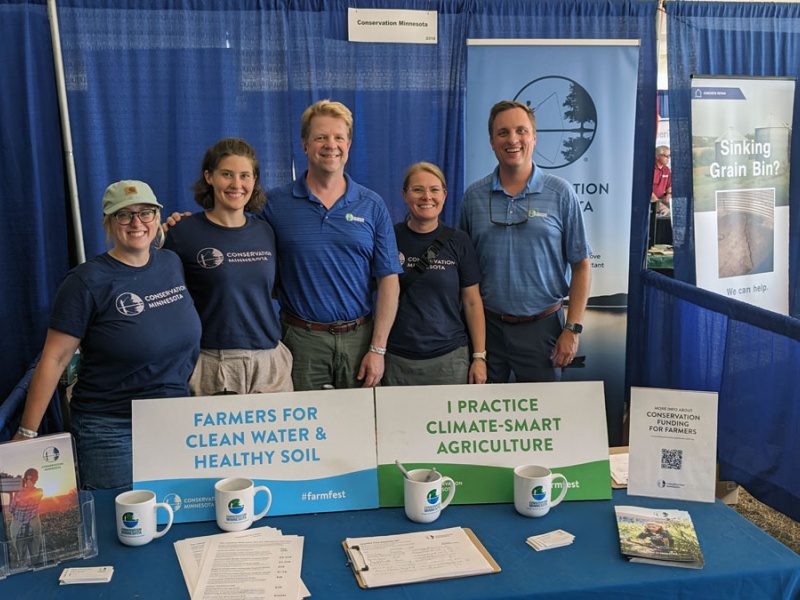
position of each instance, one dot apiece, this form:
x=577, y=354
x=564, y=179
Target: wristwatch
x=574, y=327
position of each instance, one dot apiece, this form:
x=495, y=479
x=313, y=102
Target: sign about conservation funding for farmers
x=315, y=451
x=477, y=434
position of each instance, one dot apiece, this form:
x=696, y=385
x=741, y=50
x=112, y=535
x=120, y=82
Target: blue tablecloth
x=741, y=560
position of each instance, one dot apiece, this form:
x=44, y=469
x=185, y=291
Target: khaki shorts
x=242, y=371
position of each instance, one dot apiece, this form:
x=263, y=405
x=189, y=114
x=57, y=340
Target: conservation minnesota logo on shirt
x=352, y=217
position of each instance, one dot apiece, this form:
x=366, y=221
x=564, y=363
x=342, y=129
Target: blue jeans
x=105, y=456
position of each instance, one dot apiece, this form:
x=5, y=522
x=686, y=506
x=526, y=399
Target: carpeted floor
x=778, y=525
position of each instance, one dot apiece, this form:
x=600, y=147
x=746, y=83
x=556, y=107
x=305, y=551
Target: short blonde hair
x=426, y=167
x=326, y=108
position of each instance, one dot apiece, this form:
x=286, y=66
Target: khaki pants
x=242, y=371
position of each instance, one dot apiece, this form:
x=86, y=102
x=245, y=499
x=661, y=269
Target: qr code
x=671, y=459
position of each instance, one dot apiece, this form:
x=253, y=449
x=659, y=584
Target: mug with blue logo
x=533, y=486
x=235, y=503
x=136, y=517
x=422, y=491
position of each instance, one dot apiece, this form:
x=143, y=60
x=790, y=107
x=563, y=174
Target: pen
x=402, y=469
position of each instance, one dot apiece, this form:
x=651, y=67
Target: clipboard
x=358, y=564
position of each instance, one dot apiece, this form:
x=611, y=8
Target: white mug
x=235, y=500
x=136, y=517
x=423, y=499
x=533, y=489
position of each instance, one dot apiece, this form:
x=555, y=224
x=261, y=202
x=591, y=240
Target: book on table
x=658, y=537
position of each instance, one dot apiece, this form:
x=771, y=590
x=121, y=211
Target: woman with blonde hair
x=429, y=342
x=116, y=307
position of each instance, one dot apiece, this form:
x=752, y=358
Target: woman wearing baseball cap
x=116, y=308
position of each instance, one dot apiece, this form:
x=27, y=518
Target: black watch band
x=574, y=327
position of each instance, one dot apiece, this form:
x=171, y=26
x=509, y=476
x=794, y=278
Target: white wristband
x=377, y=350
x=27, y=433
x=479, y=355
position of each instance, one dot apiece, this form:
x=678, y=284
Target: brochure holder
x=46, y=519
x=52, y=551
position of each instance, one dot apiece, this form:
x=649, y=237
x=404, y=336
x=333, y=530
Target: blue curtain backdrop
x=33, y=230
x=726, y=38
x=693, y=339
x=150, y=87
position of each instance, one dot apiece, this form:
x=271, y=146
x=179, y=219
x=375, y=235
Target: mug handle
x=262, y=488
x=168, y=508
x=555, y=501
x=451, y=493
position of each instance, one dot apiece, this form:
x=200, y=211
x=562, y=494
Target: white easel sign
x=673, y=444
x=314, y=450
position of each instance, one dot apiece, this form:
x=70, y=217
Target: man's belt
x=335, y=328
x=514, y=320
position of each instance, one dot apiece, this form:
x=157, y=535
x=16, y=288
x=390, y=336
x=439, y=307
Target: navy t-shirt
x=139, y=331
x=230, y=272
x=429, y=321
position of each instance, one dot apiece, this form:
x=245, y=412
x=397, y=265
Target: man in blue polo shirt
x=528, y=231
x=334, y=240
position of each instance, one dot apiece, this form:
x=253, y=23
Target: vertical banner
x=583, y=93
x=314, y=450
x=741, y=135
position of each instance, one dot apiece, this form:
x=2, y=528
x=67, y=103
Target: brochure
x=41, y=516
x=658, y=537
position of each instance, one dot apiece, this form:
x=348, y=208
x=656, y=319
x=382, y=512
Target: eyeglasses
x=124, y=217
x=512, y=207
x=665, y=155
x=419, y=190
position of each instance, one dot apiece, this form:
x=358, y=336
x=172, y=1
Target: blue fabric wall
x=694, y=339
x=33, y=222
x=698, y=340
x=150, y=87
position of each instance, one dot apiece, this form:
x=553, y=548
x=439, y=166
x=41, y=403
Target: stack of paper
x=554, y=539
x=256, y=563
x=85, y=575
x=619, y=468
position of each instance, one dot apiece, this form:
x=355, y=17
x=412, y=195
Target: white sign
x=477, y=434
x=314, y=450
x=673, y=444
x=380, y=25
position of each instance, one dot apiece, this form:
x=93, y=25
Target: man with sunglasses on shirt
x=528, y=231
